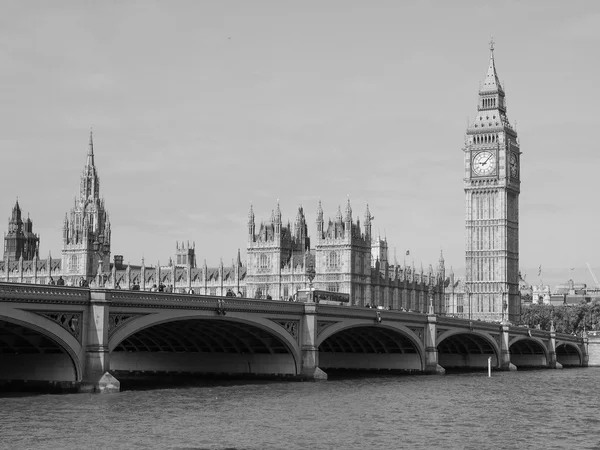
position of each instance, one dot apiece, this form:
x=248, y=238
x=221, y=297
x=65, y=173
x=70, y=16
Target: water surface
x=551, y=409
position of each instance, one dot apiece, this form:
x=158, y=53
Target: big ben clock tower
x=492, y=186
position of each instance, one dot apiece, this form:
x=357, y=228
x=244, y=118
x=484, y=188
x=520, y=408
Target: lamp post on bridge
x=310, y=274
x=468, y=292
x=504, y=305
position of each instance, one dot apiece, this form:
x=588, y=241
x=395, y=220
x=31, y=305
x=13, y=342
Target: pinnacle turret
x=368, y=218
x=16, y=212
x=348, y=217
x=90, y=154
x=278, y=213
x=491, y=83
x=299, y=215
x=338, y=216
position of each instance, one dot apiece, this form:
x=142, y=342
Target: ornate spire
x=278, y=213
x=338, y=216
x=251, y=214
x=491, y=109
x=368, y=216
x=299, y=215
x=491, y=83
x=16, y=212
x=319, y=212
x=90, y=154
x=348, y=217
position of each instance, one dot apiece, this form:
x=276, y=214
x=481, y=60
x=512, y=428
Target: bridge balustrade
x=142, y=330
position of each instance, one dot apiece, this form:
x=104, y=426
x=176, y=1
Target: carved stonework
x=418, y=332
x=440, y=331
x=497, y=339
x=117, y=320
x=70, y=321
x=291, y=326
x=322, y=324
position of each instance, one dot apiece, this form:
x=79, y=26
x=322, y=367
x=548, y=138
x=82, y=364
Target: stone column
x=96, y=360
x=504, y=362
x=552, y=362
x=308, y=338
x=431, y=352
x=591, y=349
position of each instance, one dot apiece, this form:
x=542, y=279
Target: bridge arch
x=528, y=351
x=568, y=354
x=202, y=342
x=45, y=351
x=363, y=345
x=464, y=348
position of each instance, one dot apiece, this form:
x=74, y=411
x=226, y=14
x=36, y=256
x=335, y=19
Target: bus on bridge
x=323, y=297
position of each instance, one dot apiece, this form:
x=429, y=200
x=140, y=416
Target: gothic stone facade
x=492, y=185
x=278, y=257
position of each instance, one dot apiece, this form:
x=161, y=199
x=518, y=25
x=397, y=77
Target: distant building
x=20, y=241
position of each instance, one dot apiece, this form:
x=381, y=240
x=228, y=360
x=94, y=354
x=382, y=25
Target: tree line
x=567, y=319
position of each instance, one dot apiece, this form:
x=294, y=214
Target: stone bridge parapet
x=91, y=327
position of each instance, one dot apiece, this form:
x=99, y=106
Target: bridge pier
x=96, y=359
x=585, y=348
x=504, y=362
x=552, y=362
x=431, y=352
x=310, y=352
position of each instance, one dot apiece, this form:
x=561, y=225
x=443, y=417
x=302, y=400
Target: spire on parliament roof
x=90, y=154
x=491, y=83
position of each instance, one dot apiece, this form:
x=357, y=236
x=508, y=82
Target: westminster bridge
x=85, y=338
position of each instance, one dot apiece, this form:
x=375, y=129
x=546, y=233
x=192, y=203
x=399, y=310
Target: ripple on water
x=533, y=409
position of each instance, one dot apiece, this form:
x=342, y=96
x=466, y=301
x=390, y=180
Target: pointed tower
x=251, y=225
x=320, y=222
x=86, y=230
x=368, y=219
x=277, y=219
x=441, y=267
x=492, y=186
x=20, y=241
x=302, y=241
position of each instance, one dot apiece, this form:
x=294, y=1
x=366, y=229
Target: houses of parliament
x=343, y=251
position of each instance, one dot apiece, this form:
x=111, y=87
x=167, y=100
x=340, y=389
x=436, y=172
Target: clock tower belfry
x=492, y=187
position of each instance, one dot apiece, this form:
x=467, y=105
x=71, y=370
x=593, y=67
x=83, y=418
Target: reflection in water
x=532, y=409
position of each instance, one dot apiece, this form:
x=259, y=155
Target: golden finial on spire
x=491, y=43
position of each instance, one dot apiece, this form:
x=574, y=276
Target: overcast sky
x=201, y=108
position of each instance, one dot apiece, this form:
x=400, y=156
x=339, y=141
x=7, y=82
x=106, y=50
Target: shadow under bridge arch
x=528, y=352
x=461, y=349
x=370, y=347
x=35, y=348
x=568, y=354
x=204, y=344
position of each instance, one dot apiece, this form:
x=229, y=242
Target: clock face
x=484, y=163
x=514, y=166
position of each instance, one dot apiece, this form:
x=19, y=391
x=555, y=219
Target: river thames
x=550, y=409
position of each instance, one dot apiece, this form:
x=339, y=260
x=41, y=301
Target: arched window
x=263, y=262
x=73, y=264
x=333, y=259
